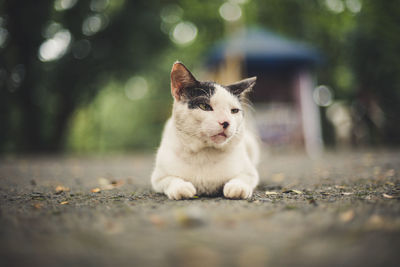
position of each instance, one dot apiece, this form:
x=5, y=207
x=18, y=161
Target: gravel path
x=340, y=210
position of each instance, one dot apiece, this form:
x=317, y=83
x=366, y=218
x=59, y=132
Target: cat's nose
x=224, y=124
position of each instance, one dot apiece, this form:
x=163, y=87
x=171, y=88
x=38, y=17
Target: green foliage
x=376, y=62
x=114, y=122
x=80, y=100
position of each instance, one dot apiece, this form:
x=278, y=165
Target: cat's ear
x=181, y=78
x=242, y=87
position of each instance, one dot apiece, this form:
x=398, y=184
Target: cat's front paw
x=180, y=190
x=236, y=189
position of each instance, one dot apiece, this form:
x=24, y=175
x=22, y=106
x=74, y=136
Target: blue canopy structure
x=264, y=49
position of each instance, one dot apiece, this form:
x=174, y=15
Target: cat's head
x=206, y=111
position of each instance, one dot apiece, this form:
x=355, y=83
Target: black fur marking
x=242, y=86
x=200, y=93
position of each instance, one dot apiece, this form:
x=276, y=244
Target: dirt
x=341, y=209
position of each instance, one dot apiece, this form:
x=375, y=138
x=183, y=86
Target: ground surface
x=342, y=209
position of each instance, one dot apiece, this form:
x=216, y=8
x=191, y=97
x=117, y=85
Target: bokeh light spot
x=353, y=6
x=99, y=5
x=93, y=24
x=17, y=75
x=136, y=88
x=61, y=5
x=51, y=29
x=171, y=13
x=3, y=37
x=56, y=47
x=323, y=96
x=230, y=11
x=184, y=33
x=336, y=6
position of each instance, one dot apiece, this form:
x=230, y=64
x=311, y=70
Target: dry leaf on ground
x=375, y=222
x=294, y=191
x=157, y=220
x=117, y=182
x=60, y=189
x=347, y=193
x=37, y=205
x=388, y=196
x=346, y=216
x=96, y=190
x=340, y=186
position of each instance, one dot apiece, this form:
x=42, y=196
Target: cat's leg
x=242, y=186
x=174, y=187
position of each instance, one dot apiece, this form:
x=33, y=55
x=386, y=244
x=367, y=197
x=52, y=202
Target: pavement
x=341, y=209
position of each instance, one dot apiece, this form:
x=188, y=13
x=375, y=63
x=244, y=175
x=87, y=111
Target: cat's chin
x=220, y=138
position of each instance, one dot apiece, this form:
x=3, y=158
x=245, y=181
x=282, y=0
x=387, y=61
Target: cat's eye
x=234, y=110
x=205, y=107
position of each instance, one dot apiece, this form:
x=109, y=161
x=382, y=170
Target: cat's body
x=206, y=147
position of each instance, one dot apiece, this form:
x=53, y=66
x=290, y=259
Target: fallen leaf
x=64, y=202
x=340, y=186
x=157, y=220
x=375, y=222
x=297, y=191
x=60, y=189
x=390, y=183
x=38, y=206
x=346, y=216
x=388, y=196
x=270, y=193
x=293, y=190
x=346, y=193
x=96, y=190
x=117, y=183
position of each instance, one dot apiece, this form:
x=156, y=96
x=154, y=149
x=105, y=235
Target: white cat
x=206, y=147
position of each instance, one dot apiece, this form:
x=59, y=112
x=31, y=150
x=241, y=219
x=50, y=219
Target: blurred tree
x=58, y=55
x=376, y=62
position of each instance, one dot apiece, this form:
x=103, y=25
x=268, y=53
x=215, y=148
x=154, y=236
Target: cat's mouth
x=222, y=134
x=220, y=137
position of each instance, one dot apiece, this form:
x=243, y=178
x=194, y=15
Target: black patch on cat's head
x=242, y=87
x=185, y=87
x=201, y=92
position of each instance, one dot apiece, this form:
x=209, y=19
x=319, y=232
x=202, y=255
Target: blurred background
x=93, y=76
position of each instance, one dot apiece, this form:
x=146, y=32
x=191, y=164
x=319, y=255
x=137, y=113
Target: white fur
x=191, y=160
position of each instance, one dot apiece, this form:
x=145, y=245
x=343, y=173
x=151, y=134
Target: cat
x=206, y=147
